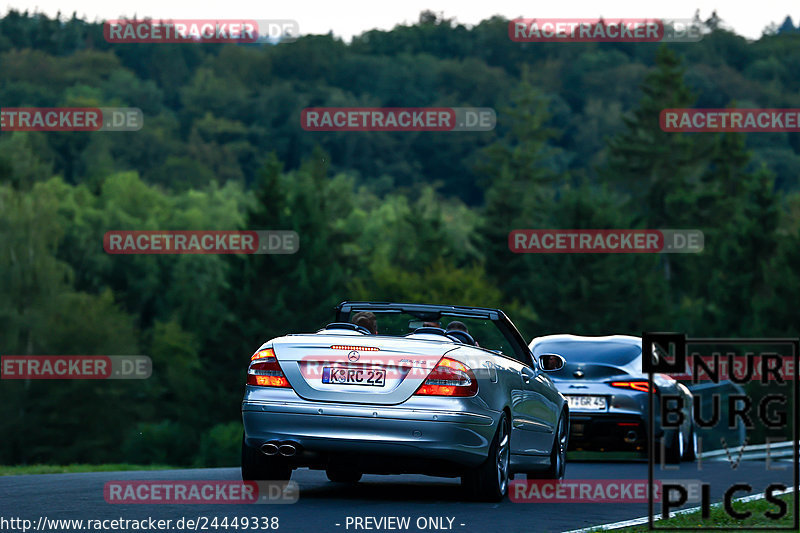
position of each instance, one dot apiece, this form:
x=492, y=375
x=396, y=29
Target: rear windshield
x=609, y=352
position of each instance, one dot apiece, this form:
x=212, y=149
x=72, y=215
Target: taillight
x=449, y=378
x=264, y=370
x=641, y=386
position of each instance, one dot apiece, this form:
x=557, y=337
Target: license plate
x=354, y=376
x=587, y=403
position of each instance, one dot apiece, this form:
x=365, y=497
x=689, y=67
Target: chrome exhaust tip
x=630, y=437
x=287, y=449
x=270, y=448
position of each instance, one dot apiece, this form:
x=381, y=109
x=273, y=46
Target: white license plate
x=587, y=403
x=354, y=376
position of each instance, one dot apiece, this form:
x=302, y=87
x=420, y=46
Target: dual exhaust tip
x=286, y=449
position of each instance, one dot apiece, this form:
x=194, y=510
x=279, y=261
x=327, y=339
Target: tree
x=657, y=168
x=740, y=220
x=660, y=171
x=521, y=174
x=787, y=26
x=279, y=294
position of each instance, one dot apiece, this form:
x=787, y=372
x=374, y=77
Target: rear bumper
x=623, y=426
x=324, y=430
x=610, y=431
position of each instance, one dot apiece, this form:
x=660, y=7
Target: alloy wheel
x=503, y=455
x=561, y=457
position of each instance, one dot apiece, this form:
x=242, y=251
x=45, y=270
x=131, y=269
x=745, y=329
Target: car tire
x=690, y=452
x=558, y=454
x=259, y=467
x=673, y=450
x=341, y=475
x=489, y=482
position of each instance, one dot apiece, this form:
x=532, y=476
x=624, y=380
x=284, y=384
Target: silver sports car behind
x=405, y=388
x=609, y=396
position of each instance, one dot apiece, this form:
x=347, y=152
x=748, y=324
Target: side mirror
x=550, y=362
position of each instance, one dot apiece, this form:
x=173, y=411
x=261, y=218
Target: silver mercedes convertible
x=406, y=388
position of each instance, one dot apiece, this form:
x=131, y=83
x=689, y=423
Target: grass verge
x=719, y=518
x=75, y=468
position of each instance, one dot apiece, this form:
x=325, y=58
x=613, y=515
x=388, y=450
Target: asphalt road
x=322, y=505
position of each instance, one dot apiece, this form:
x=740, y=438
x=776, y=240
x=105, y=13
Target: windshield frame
x=521, y=352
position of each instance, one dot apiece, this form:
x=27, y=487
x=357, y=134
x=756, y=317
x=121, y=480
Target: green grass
x=719, y=518
x=74, y=468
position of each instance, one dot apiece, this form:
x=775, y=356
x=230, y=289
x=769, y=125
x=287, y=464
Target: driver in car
x=367, y=320
x=457, y=325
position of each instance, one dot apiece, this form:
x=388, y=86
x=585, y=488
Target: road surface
x=325, y=507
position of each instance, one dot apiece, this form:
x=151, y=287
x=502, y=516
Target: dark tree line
x=385, y=216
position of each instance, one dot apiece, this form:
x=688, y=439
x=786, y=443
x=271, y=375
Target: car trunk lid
x=357, y=368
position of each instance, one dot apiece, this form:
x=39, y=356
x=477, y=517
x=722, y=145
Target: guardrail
x=775, y=450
